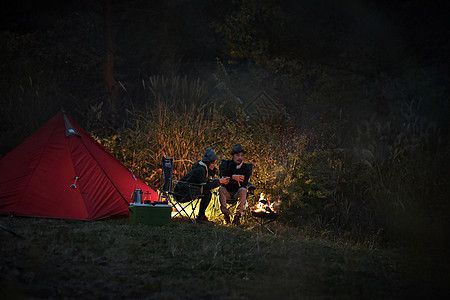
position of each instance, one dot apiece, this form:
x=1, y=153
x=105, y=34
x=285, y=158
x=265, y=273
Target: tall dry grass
x=389, y=185
x=404, y=178
x=178, y=122
x=386, y=186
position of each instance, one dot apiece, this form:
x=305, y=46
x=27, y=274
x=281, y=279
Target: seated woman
x=201, y=173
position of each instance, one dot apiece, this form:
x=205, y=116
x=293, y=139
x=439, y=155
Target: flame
x=259, y=207
x=264, y=205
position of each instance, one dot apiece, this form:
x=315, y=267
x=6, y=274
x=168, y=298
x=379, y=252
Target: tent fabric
x=62, y=172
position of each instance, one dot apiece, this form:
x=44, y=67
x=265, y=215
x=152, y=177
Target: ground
x=111, y=259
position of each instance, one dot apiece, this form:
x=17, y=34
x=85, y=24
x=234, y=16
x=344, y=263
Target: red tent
x=62, y=172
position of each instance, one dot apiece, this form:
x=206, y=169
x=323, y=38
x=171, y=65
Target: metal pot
x=137, y=196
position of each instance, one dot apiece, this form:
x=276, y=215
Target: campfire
x=264, y=209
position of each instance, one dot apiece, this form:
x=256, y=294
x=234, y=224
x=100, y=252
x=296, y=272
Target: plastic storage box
x=149, y=214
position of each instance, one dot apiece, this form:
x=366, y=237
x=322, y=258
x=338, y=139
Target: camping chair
x=231, y=203
x=184, y=205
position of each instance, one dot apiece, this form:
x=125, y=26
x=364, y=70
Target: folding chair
x=185, y=205
x=231, y=203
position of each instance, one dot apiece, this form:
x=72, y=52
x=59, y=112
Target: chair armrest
x=189, y=183
x=193, y=188
x=251, y=188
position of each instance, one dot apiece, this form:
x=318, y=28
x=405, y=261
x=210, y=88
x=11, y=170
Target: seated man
x=200, y=173
x=239, y=173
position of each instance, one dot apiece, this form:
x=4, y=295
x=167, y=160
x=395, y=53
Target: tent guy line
x=74, y=184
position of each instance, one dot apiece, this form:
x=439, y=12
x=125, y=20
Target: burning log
x=264, y=213
x=264, y=209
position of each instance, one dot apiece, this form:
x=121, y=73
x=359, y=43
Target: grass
x=110, y=259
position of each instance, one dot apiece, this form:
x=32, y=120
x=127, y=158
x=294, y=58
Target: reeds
x=178, y=122
x=389, y=185
x=389, y=177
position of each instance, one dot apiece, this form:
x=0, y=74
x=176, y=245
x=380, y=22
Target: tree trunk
x=112, y=88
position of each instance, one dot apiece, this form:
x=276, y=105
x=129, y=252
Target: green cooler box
x=150, y=214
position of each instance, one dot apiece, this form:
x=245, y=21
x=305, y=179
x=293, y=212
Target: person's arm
x=213, y=183
x=247, y=175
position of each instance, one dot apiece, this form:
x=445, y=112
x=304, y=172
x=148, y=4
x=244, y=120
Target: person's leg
x=241, y=196
x=204, y=203
x=224, y=195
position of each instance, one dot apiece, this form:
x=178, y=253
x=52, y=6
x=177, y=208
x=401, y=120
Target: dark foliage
x=365, y=83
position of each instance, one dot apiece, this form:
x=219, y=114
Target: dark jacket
x=198, y=174
x=227, y=168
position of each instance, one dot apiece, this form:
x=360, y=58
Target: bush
x=168, y=125
x=378, y=188
x=391, y=184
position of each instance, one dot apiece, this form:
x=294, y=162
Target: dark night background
x=367, y=82
x=317, y=58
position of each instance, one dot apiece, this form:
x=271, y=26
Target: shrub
x=172, y=127
x=390, y=184
x=403, y=164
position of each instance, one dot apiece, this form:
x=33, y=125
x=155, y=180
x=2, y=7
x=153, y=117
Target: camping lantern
x=147, y=198
x=137, y=196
